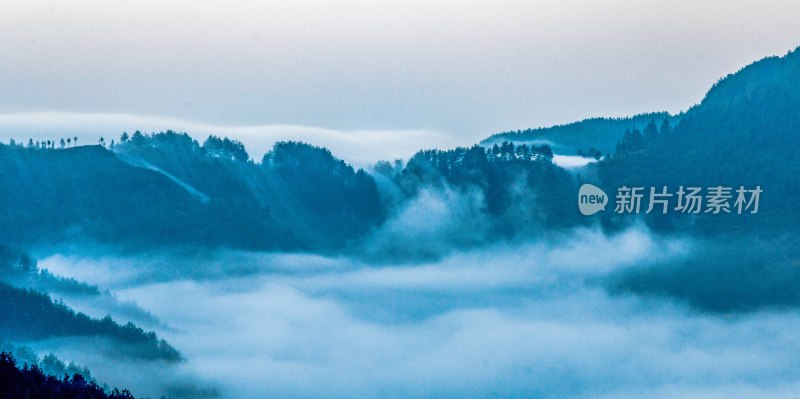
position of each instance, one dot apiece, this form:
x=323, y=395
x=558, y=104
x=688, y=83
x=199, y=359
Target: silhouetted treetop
x=31, y=382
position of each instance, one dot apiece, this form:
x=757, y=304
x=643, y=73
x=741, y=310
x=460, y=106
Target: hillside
x=298, y=197
x=166, y=190
x=48, y=195
x=743, y=133
x=23, y=381
x=587, y=136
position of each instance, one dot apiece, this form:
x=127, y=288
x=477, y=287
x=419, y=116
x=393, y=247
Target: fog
x=436, y=302
x=507, y=320
x=359, y=146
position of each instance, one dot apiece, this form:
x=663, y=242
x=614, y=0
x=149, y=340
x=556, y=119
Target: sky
x=391, y=75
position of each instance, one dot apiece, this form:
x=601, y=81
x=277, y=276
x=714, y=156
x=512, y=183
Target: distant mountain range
x=587, y=136
x=168, y=189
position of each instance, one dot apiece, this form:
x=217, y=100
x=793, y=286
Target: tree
x=124, y=138
x=137, y=139
x=632, y=141
x=506, y=149
x=27, y=264
x=75, y=140
x=651, y=131
x=69, y=140
x=102, y=142
x=32, y=382
x=665, y=127
x=62, y=143
x=225, y=148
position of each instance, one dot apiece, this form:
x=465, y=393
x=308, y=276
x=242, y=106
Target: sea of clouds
x=507, y=320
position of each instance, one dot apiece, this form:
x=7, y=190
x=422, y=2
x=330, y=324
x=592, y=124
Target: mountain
x=48, y=195
x=28, y=315
x=167, y=190
x=519, y=185
x=588, y=136
x=745, y=132
x=298, y=197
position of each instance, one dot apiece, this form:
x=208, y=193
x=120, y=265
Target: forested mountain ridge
x=49, y=194
x=745, y=132
x=592, y=136
x=28, y=316
x=165, y=189
x=298, y=197
x=521, y=188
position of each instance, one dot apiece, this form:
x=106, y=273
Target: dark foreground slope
x=23, y=381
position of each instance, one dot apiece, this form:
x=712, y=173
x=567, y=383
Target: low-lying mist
x=531, y=319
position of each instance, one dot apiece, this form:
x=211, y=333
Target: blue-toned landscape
x=167, y=262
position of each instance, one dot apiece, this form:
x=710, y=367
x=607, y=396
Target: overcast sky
x=454, y=69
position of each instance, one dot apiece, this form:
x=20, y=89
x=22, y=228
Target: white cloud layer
x=525, y=320
x=361, y=147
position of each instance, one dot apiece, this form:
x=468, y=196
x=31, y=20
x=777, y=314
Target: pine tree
x=651, y=131
x=665, y=127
